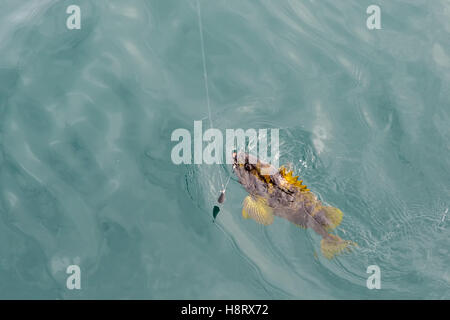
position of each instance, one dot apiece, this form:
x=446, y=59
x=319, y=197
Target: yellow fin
x=334, y=215
x=244, y=213
x=258, y=210
x=334, y=245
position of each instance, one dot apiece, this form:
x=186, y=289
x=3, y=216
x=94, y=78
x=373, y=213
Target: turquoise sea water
x=86, y=175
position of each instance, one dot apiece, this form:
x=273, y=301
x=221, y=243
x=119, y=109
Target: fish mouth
x=234, y=156
x=243, y=162
x=243, y=158
x=239, y=158
x=250, y=163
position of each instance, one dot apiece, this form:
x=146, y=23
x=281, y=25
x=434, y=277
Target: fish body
x=276, y=192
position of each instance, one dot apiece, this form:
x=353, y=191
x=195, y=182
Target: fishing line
x=205, y=72
x=205, y=77
x=226, y=184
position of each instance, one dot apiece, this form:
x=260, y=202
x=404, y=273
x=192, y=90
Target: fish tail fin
x=333, y=245
x=334, y=217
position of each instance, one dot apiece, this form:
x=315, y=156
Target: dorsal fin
x=292, y=180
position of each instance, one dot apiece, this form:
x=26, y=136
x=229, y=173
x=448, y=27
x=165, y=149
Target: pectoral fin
x=258, y=210
x=244, y=213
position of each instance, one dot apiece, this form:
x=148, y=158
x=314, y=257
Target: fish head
x=254, y=174
x=245, y=163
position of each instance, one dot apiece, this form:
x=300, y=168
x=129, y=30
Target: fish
x=277, y=192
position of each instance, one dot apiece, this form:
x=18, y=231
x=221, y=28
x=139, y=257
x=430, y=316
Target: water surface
x=86, y=119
